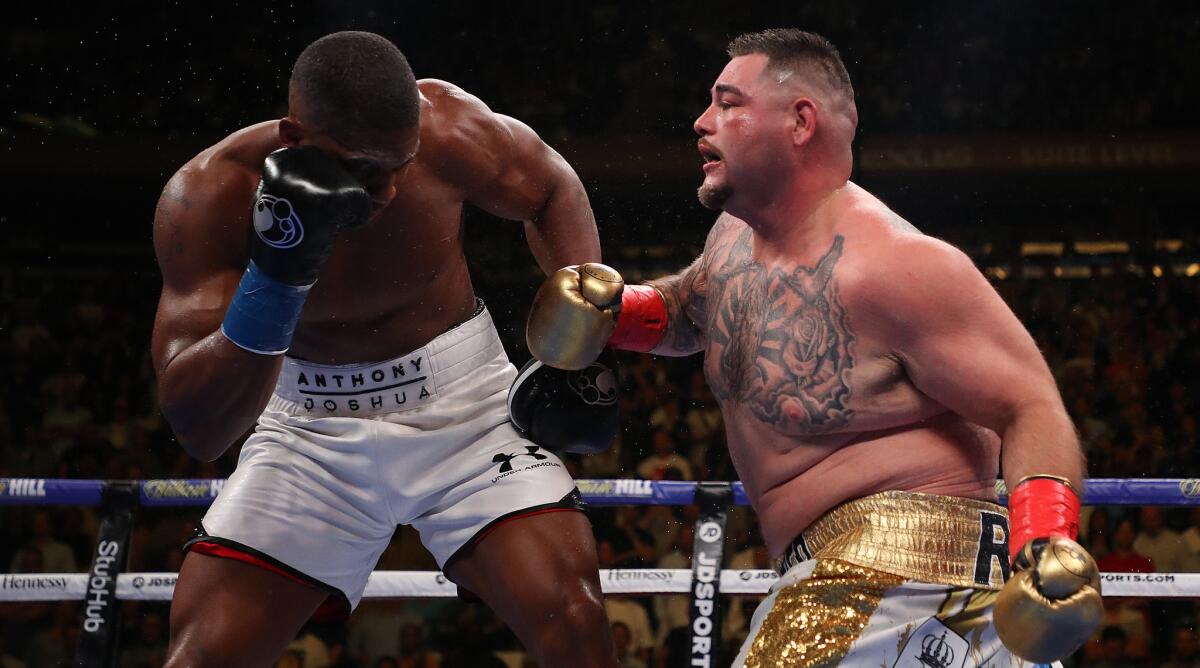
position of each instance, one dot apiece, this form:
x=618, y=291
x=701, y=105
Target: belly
x=376, y=299
x=792, y=482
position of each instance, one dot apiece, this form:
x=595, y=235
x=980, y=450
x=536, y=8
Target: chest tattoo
x=779, y=342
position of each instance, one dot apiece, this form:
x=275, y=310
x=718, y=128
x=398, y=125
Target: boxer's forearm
x=1041, y=440
x=685, y=306
x=212, y=392
x=564, y=231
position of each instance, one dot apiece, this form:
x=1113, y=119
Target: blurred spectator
x=633, y=543
x=665, y=456
x=1164, y=546
x=67, y=422
x=1191, y=542
x=1184, y=650
x=627, y=610
x=1112, y=650
x=1124, y=558
x=622, y=639
x=704, y=424
x=54, y=555
x=1097, y=536
x=149, y=649
x=306, y=651
x=668, y=416
x=606, y=464
x=413, y=652
x=376, y=626
x=54, y=644
x=672, y=612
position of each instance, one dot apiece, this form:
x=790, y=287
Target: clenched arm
x=683, y=294
x=963, y=347
x=686, y=294
x=508, y=171
x=211, y=391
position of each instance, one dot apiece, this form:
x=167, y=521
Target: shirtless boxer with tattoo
x=315, y=290
x=873, y=384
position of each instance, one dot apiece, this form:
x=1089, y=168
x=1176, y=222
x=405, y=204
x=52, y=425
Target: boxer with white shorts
x=315, y=289
x=344, y=454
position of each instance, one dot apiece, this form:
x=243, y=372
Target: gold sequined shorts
x=892, y=579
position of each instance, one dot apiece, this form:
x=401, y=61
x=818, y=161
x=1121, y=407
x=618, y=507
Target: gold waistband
x=924, y=537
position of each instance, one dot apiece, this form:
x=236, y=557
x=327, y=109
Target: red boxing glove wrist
x=642, y=321
x=1040, y=507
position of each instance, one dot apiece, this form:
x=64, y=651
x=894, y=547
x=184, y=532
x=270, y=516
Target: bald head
x=804, y=60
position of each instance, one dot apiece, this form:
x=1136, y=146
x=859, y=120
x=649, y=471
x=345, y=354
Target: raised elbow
x=201, y=436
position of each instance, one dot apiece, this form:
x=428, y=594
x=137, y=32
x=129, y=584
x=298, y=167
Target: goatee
x=713, y=197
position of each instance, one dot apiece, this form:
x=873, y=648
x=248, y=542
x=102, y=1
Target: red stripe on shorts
x=506, y=520
x=225, y=552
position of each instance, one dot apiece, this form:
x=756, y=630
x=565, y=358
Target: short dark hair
x=790, y=48
x=355, y=85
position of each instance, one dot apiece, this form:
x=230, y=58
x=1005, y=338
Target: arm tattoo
x=685, y=302
x=780, y=342
x=175, y=234
x=174, y=241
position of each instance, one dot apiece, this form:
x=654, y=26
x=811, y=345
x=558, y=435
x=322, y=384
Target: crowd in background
x=79, y=402
x=619, y=68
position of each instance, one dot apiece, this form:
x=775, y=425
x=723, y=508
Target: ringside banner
x=707, y=555
x=101, y=609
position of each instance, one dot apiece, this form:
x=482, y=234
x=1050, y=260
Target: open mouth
x=710, y=155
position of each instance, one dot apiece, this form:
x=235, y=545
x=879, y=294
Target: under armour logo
x=505, y=459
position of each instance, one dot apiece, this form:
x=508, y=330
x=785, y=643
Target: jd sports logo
x=505, y=459
x=276, y=222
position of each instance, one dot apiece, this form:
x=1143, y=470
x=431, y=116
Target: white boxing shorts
x=344, y=454
x=892, y=579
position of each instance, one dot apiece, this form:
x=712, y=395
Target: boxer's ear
x=291, y=131
x=804, y=115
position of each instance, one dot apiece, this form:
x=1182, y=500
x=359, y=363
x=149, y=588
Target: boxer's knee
x=196, y=649
x=188, y=653
x=575, y=629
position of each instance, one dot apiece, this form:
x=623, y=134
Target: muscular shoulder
x=222, y=171
x=915, y=263
x=909, y=281
x=460, y=135
x=208, y=199
x=240, y=153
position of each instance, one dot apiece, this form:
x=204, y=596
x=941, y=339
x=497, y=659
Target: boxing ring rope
x=704, y=582
x=616, y=492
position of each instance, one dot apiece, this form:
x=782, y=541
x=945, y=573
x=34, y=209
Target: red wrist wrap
x=1041, y=507
x=642, y=321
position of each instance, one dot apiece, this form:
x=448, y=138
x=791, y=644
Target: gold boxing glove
x=1051, y=605
x=573, y=315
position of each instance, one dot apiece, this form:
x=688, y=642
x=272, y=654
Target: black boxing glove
x=305, y=198
x=567, y=411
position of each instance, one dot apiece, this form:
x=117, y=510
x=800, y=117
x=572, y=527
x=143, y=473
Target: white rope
x=432, y=584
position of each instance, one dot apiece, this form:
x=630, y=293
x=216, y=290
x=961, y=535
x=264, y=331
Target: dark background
x=993, y=125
